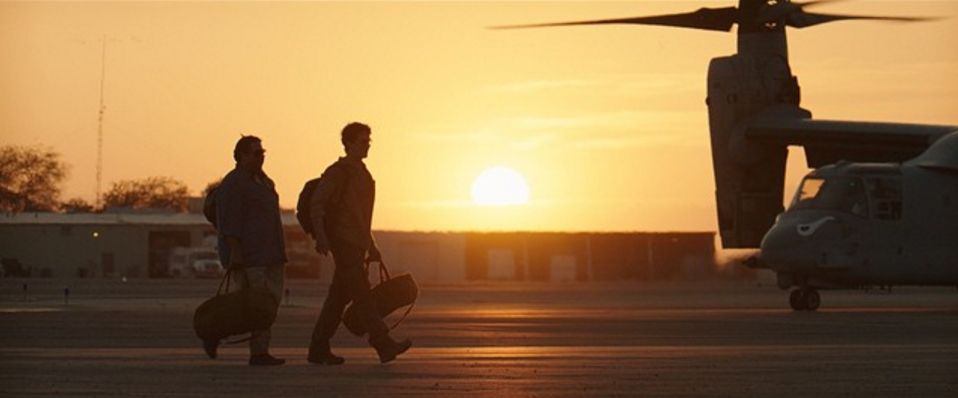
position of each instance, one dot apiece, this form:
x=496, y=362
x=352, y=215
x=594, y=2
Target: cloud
x=534, y=142
x=433, y=204
x=592, y=131
x=479, y=136
x=629, y=85
x=535, y=86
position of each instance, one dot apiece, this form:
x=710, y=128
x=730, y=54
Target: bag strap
x=383, y=271
x=226, y=281
x=384, y=274
x=408, y=310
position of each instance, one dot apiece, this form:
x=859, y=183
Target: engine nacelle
x=749, y=176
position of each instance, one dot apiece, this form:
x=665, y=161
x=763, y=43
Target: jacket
x=341, y=207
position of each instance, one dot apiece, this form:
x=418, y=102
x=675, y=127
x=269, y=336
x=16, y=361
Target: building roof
x=289, y=220
x=177, y=219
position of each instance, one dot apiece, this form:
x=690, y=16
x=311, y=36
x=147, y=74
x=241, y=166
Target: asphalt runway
x=493, y=339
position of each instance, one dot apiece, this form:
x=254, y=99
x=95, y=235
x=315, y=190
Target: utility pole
x=99, y=132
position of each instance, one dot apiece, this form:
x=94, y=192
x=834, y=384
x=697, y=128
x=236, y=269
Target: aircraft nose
x=783, y=248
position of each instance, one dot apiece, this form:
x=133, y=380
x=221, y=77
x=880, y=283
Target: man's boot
x=387, y=348
x=321, y=354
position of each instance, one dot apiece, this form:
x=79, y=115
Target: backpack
x=302, y=205
x=303, y=214
x=209, y=206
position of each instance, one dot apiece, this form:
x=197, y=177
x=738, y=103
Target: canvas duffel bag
x=389, y=295
x=231, y=313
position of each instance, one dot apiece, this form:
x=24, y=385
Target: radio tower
x=99, y=130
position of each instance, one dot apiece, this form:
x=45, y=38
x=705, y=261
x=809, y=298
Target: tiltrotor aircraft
x=880, y=207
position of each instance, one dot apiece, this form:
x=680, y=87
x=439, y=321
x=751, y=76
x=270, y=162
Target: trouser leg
x=271, y=277
x=332, y=313
x=357, y=285
x=349, y=285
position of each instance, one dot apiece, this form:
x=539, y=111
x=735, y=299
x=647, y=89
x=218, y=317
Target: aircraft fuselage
x=857, y=224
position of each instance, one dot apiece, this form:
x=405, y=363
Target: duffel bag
x=231, y=313
x=390, y=294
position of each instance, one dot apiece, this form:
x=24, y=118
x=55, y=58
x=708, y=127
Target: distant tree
x=77, y=205
x=30, y=179
x=151, y=192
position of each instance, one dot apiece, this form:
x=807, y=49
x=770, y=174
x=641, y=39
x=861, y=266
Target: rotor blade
x=783, y=9
x=815, y=3
x=705, y=18
x=806, y=19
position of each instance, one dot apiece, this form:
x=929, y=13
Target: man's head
x=355, y=138
x=249, y=153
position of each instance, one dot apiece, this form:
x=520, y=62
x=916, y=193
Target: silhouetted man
x=251, y=234
x=341, y=208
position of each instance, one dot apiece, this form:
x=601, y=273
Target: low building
x=139, y=245
x=544, y=256
x=130, y=244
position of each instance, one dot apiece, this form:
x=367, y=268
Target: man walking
x=341, y=209
x=251, y=235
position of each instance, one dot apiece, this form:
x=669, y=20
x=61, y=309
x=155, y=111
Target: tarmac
x=492, y=339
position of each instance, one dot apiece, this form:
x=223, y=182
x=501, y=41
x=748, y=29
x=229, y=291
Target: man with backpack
x=250, y=235
x=340, y=214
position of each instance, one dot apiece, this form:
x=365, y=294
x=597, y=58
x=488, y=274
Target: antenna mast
x=99, y=132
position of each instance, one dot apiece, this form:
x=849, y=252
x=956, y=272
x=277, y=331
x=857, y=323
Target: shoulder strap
x=341, y=168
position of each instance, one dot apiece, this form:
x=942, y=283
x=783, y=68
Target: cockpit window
x=809, y=189
x=885, y=194
x=845, y=194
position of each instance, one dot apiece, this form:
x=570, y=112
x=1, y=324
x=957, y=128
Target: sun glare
x=500, y=186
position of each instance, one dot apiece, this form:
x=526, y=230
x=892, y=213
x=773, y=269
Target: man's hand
x=322, y=248
x=374, y=255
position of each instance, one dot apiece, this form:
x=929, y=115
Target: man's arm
x=326, y=191
x=229, y=217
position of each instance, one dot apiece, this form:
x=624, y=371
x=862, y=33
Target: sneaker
x=265, y=360
x=388, y=349
x=210, y=346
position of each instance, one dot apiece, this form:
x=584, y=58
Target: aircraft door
x=882, y=244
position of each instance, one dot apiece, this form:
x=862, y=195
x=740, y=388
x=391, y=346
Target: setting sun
x=500, y=186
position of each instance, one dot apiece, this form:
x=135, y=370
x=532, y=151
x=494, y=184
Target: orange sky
x=607, y=124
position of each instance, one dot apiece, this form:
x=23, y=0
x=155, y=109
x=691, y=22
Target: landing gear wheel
x=804, y=299
x=812, y=299
x=797, y=300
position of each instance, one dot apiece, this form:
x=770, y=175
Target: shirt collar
x=249, y=174
x=352, y=163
